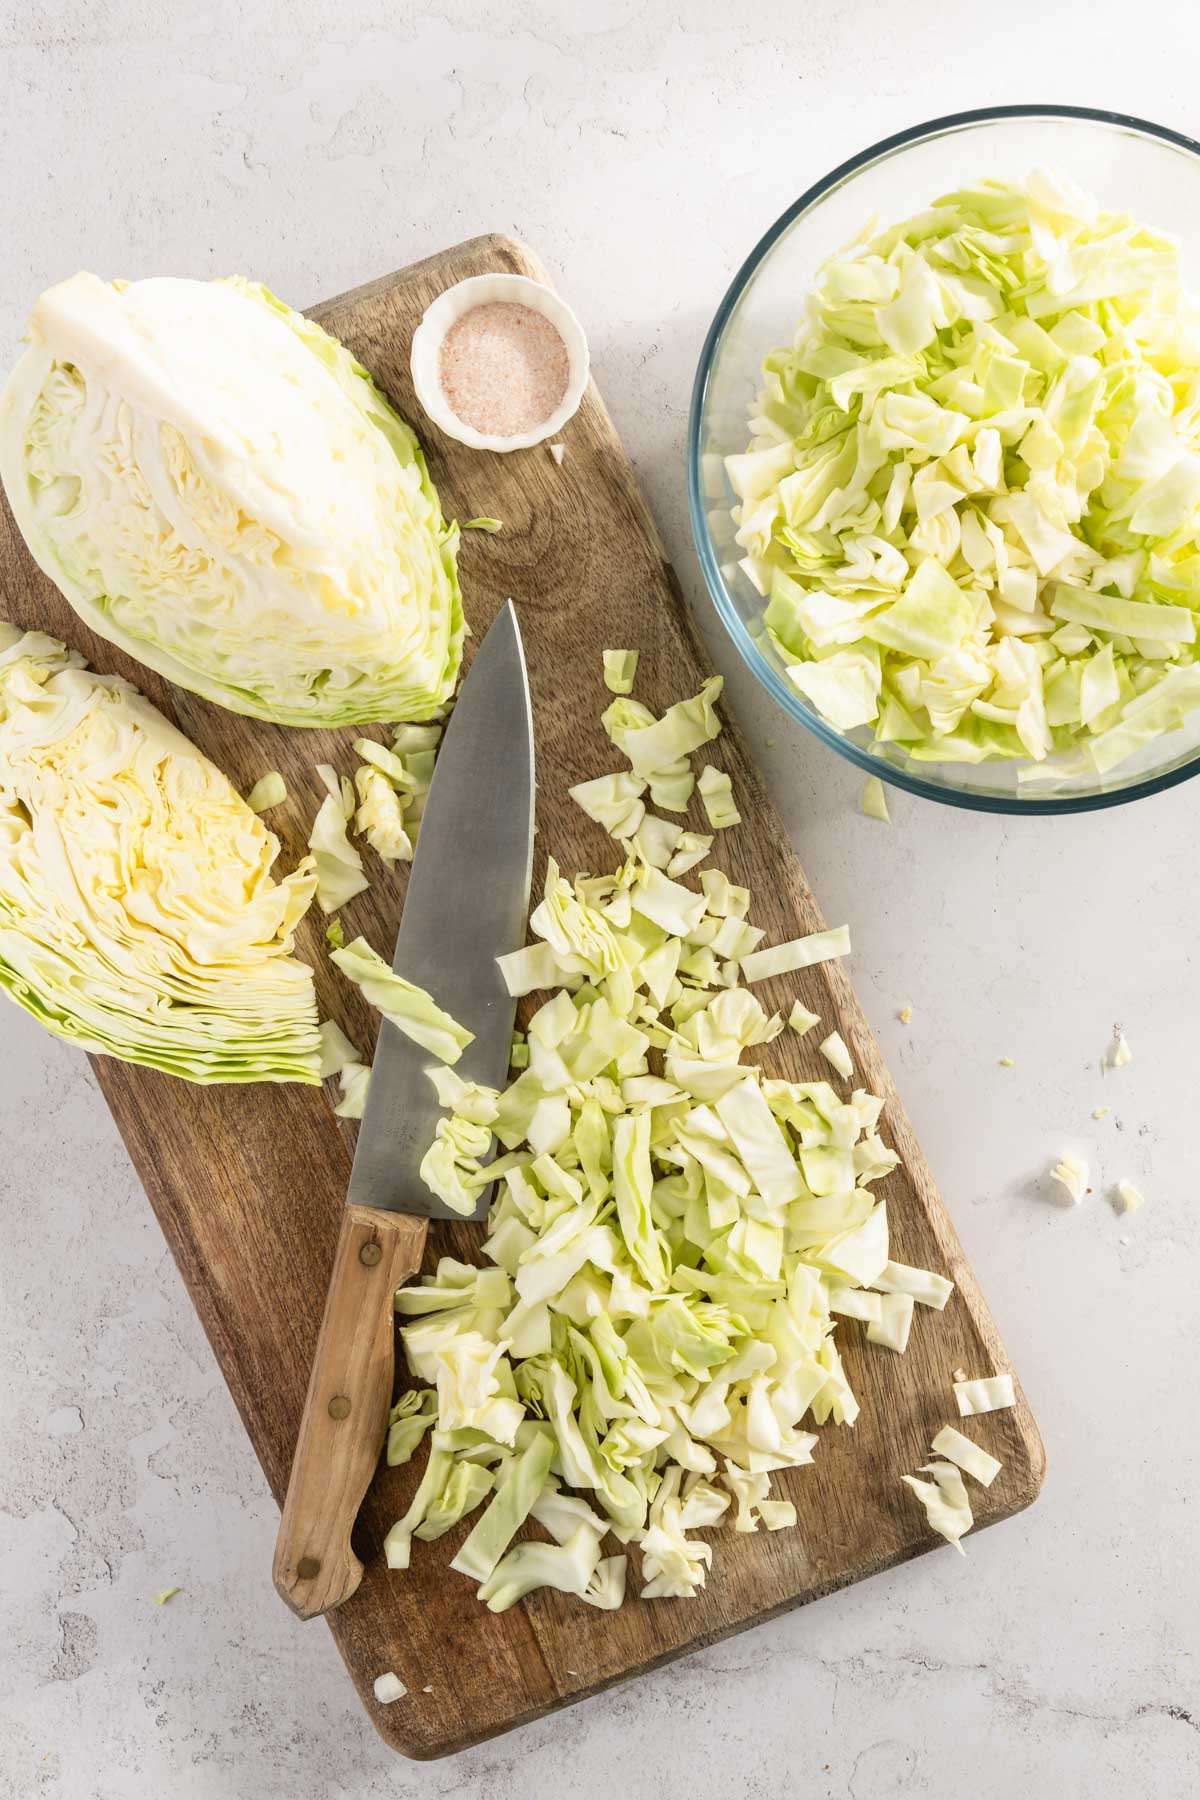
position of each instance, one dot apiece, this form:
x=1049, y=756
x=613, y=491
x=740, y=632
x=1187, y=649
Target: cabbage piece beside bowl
x=899, y=686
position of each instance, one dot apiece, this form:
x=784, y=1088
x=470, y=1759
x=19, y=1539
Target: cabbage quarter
x=218, y=487
x=139, y=917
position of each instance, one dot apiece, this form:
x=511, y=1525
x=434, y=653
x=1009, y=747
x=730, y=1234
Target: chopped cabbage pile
x=219, y=488
x=138, y=914
x=972, y=496
x=673, y=1237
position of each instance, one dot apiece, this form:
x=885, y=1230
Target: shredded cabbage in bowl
x=972, y=496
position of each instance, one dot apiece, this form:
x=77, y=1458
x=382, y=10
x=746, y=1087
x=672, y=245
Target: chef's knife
x=467, y=901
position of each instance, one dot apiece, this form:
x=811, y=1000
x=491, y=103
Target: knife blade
x=467, y=901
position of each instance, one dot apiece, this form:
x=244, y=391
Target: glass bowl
x=1131, y=166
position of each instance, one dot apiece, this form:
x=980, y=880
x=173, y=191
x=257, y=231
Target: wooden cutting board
x=248, y=1183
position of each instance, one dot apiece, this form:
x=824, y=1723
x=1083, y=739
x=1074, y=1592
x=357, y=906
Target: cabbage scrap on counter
x=971, y=500
x=138, y=914
x=674, y=1237
x=218, y=487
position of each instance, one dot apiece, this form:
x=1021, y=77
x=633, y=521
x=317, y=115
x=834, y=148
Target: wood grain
x=249, y=1183
x=344, y=1423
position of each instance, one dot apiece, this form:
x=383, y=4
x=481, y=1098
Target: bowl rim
x=766, y=673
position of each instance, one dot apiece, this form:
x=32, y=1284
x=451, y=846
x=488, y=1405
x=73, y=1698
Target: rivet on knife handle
x=345, y=1411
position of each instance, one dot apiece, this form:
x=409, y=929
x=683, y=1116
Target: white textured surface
x=641, y=152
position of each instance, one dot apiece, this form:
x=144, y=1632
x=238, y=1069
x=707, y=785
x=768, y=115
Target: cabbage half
x=219, y=488
x=972, y=496
x=138, y=914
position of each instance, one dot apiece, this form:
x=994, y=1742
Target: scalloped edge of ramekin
x=463, y=297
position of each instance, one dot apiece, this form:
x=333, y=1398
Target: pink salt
x=503, y=368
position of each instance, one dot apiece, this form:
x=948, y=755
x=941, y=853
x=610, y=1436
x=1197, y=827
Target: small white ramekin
x=463, y=297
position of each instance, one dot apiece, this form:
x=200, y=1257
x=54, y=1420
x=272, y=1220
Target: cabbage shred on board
x=138, y=914
x=218, y=487
x=672, y=1235
x=972, y=497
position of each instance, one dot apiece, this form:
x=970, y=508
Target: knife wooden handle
x=345, y=1410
